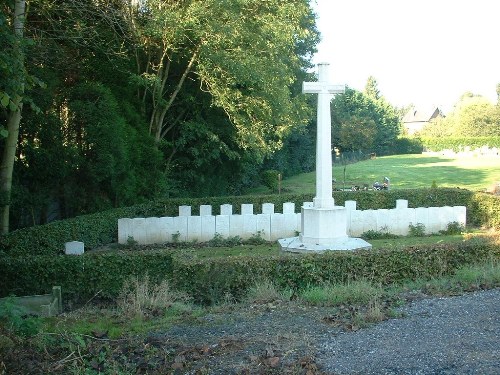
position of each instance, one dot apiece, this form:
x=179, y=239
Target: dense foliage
x=458, y=144
x=145, y=99
x=211, y=280
x=102, y=228
x=472, y=116
x=364, y=121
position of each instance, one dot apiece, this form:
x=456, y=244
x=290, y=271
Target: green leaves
x=4, y=99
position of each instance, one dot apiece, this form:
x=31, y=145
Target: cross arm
x=322, y=87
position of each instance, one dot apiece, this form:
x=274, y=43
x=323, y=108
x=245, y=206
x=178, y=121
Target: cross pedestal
x=324, y=225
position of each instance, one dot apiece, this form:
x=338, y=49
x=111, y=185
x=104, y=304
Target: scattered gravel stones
x=454, y=335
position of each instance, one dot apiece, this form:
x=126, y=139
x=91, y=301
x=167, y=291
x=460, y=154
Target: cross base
x=295, y=245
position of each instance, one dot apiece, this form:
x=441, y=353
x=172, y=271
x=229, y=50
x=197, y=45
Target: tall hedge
x=102, y=228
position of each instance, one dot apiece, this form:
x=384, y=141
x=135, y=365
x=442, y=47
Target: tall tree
x=371, y=88
x=360, y=122
x=11, y=92
x=244, y=57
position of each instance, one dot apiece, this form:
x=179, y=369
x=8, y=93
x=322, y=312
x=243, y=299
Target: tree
x=472, y=116
x=11, y=93
x=360, y=122
x=244, y=58
x=371, y=88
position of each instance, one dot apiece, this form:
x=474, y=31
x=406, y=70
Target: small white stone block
x=207, y=228
x=180, y=228
x=74, y=248
x=288, y=208
x=236, y=225
x=403, y=218
x=356, y=227
x=277, y=227
x=290, y=224
x=184, y=210
x=249, y=226
x=222, y=225
x=422, y=216
x=401, y=203
x=139, y=230
x=434, y=220
x=247, y=209
x=383, y=220
x=268, y=208
x=226, y=209
x=166, y=227
x=460, y=214
x=350, y=205
x=193, y=228
x=152, y=230
x=369, y=220
x=308, y=205
x=205, y=210
x=124, y=230
x=264, y=225
x=447, y=215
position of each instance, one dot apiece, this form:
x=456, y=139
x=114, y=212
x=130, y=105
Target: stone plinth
x=323, y=225
x=323, y=229
x=295, y=245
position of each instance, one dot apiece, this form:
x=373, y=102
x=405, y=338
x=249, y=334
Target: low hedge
x=81, y=277
x=210, y=280
x=99, y=229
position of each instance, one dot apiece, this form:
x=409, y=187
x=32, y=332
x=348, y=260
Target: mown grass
x=405, y=171
x=272, y=248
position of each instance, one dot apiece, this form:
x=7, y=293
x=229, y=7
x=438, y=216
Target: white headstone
x=74, y=248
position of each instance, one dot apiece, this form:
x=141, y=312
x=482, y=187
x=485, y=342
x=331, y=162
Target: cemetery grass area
x=404, y=172
x=237, y=248
x=153, y=329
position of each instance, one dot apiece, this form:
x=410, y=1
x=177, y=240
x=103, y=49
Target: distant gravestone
x=74, y=248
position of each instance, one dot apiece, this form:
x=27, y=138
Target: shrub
x=417, y=230
x=140, y=297
x=377, y=235
x=355, y=292
x=453, y=228
x=16, y=319
x=265, y=291
x=270, y=179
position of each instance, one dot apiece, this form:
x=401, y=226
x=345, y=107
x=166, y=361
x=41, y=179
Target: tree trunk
x=13, y=120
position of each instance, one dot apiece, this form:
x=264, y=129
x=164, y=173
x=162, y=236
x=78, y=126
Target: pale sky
x=425, y=52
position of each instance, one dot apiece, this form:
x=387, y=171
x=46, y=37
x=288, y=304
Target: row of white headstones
x=271, y=226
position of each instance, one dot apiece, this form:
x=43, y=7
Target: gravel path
x=455, y=335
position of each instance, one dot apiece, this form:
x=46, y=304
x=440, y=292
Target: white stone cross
x=324, y=196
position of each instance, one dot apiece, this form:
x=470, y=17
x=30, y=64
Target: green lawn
x=405, y=171
x=274, y=249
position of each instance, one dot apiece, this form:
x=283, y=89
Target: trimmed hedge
x=99, y=229
x=208, y=281
x=457, y=144
x=81, y=276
